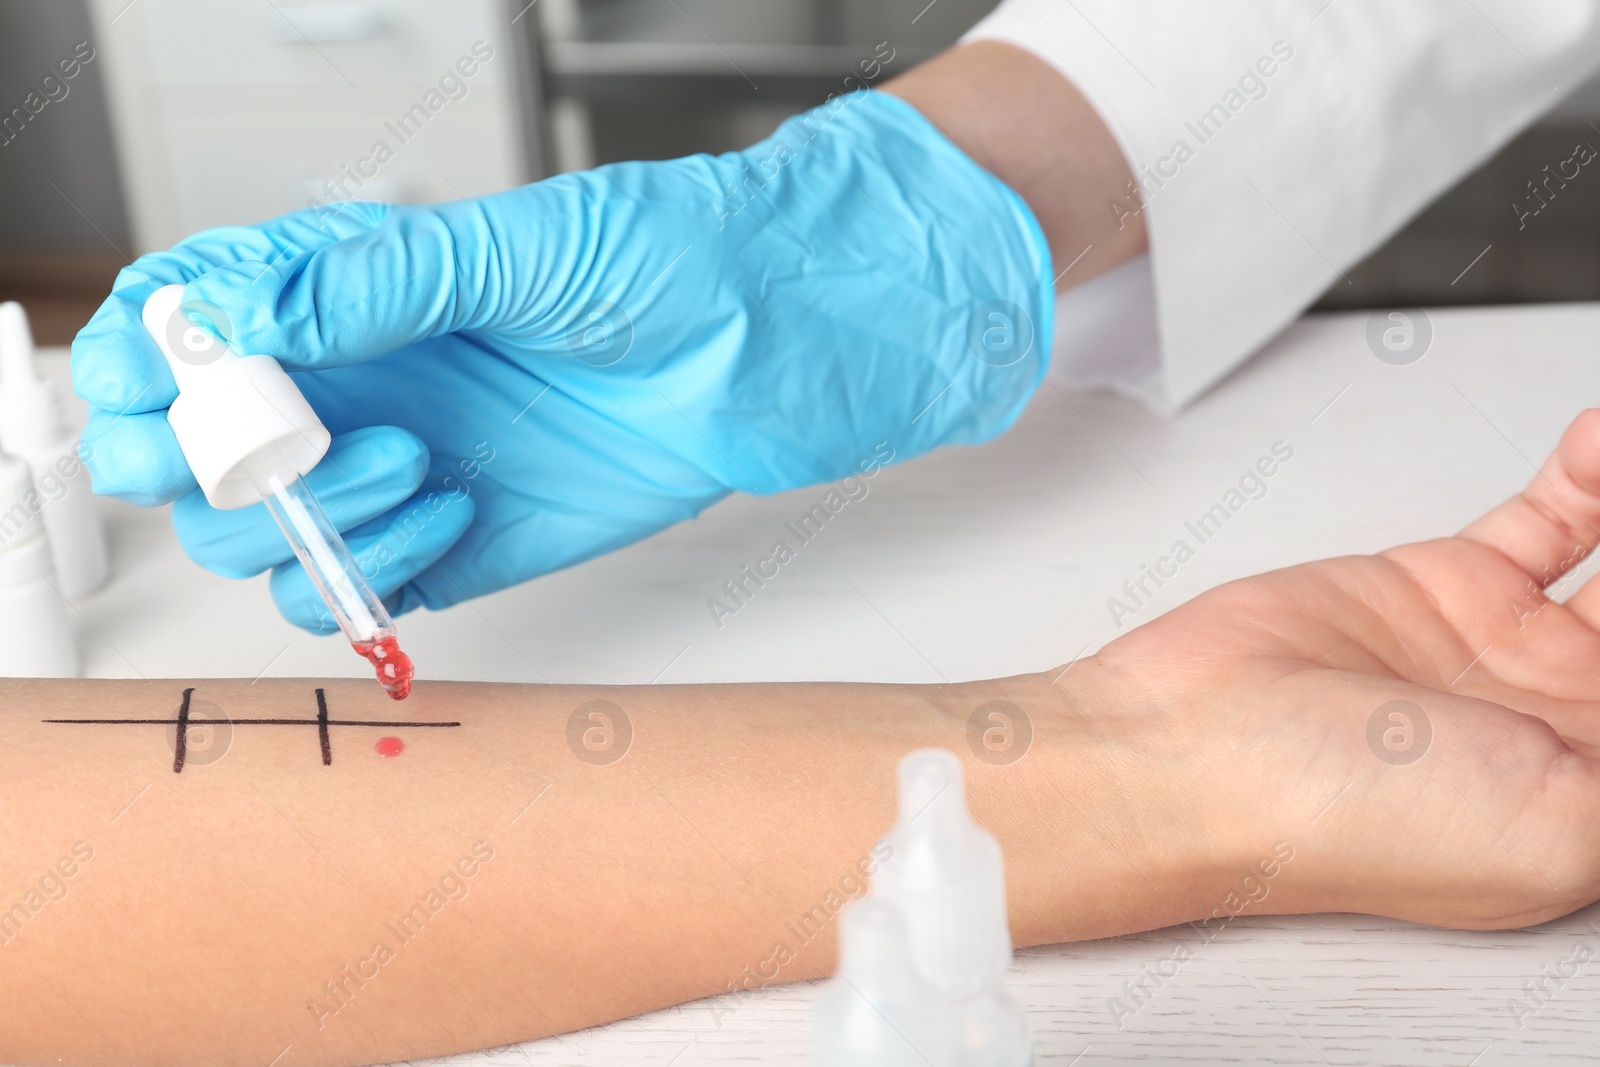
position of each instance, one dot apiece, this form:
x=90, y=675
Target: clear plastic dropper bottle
x=249, y=435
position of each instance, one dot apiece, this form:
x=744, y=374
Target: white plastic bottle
x=35, y=636
x=946, y=874
x=877, y=1011
x=31, y=426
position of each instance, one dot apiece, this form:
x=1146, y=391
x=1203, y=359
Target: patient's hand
x=1263, y=690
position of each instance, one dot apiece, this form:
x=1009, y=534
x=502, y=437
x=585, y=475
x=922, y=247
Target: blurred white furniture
x=648, y=79
x=982, y=561
x=234, y=112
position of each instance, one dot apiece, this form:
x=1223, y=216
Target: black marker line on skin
x=322, y=722
x=251, y=722
x=181, y=749
x=322, y=729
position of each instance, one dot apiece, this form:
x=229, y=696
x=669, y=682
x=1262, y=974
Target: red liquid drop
x=394, y=666
x=389, y=747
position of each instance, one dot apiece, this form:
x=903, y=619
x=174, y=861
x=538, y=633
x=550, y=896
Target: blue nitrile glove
x=524, y=381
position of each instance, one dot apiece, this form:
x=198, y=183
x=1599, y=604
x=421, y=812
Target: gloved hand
x=524, y=381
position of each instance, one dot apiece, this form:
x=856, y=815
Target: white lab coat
x=1277, y=142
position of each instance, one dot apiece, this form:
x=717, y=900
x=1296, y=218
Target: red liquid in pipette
x=394, y=666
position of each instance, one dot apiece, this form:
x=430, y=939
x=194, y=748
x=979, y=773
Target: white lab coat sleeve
x=1276, y=143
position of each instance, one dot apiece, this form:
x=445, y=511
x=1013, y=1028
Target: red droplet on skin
x=394, y=666
x=389, y=747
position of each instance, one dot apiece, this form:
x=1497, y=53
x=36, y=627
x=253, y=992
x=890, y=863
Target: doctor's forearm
x=549, y=863
x=1031, y=128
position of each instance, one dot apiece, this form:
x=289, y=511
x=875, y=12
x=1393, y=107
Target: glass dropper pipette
x=249, y=435
x=338, y=579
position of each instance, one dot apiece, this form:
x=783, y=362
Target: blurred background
x=194, y=113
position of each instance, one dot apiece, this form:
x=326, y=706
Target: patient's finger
x=1555, y=522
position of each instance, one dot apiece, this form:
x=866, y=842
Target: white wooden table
x=984, y=561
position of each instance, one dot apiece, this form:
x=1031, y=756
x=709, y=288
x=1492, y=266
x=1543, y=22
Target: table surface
x=977, y=562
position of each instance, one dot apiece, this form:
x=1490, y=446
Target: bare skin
x=238, y=887
x=1162, y=772
x=1030, y=127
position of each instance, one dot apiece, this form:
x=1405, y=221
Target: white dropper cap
x=237, y=418
x=945, y=872
x=29, y=405
x=877, y=1011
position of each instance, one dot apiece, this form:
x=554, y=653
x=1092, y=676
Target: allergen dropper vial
x=32, y=426
x=248, y=435
x=923, y=958
x=35, y=636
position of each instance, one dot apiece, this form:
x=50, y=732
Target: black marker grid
x=322, y=722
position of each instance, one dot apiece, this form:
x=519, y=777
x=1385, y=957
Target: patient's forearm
x=290, y=888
